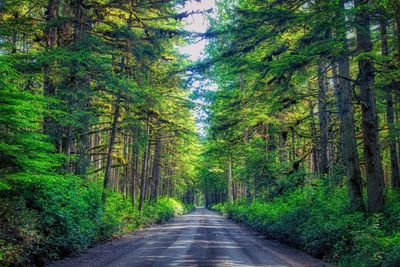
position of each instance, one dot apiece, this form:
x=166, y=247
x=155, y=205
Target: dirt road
x=202, y=238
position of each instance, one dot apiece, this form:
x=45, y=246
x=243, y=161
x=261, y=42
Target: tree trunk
x=397, y=19
x=396, y=84
x=83, y=142
x=346, y=118
x=313, y=130
x=48, y=84
x=116, y=111
x=292, y=145
x=135, y=163
x=230, y=180
x=51, y=42
x=394, y=164
x=266, y=138
x=323, y=119
x=144, y=170
x=156, y=166
x=111, y=145
x=373, y=163
x=149, y=172
x=126, y=155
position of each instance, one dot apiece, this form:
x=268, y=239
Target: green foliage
x=48, y=217
x=48, y=220
x=162, y=210
x=59, y=93
x=22, y=147
x=322, y=224
x=56, y=97
x=279, y=112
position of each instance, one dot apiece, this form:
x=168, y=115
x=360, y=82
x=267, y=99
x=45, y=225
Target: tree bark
x=149, y=172
x=397, y=19
x=292, y=145
x=394, y=164
x=396, y=84
x=323, y=120
x=111, y=145
x=156, y=163
x=313, y=130
x=145, y=161
x=51, y=42
x=230, y=180
x=373, y=163
x=117, y=108
x=266, y=138
x=346, y=118
x=83, y=142
x=135, y=164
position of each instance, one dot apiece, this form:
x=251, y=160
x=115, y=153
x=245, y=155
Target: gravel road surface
x=201, y=238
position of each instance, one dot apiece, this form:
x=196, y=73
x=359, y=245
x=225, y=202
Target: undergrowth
x=320, y=222
x=44, y=218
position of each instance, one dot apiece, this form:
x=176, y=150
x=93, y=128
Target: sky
x=196, y=23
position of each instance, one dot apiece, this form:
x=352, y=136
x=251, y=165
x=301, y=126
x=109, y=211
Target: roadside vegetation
x=97, y=136
x=321, y=223
x=303, y=136
x=301, y=128
x=41, y=221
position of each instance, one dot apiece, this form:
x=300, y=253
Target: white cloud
x=196, y=23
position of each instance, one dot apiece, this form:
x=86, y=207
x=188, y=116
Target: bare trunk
x=313, y=129
x=390, y=113
x=347, y=127
x=144, y=171
x=266, y=138
x=135, y=164
x=292, y=145
x=156, y=166
x=323, y=120
x=51, y=42
x=396, y=84
x=230, y=193
x=111, y=145
x=373, y=163
x=149, y=172
x=397, y=18
x=83, y=142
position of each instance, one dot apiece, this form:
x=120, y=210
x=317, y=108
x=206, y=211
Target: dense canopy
x=106, y=126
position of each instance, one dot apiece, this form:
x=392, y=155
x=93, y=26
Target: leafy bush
x=189, y=207
x=163, y=210
x=220, y=207
x=47, y=217
x=321, y=223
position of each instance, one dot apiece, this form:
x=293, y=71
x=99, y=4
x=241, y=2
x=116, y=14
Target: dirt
x=201, y=238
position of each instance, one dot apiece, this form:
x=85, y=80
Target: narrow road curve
x=201, y=238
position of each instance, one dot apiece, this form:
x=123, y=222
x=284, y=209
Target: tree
x=375, y=182
x=346, y=115
x=296, y=56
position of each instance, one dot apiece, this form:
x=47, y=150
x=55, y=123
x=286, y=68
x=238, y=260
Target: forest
x=303, y=135
x=289, y=123
x=96, y=130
